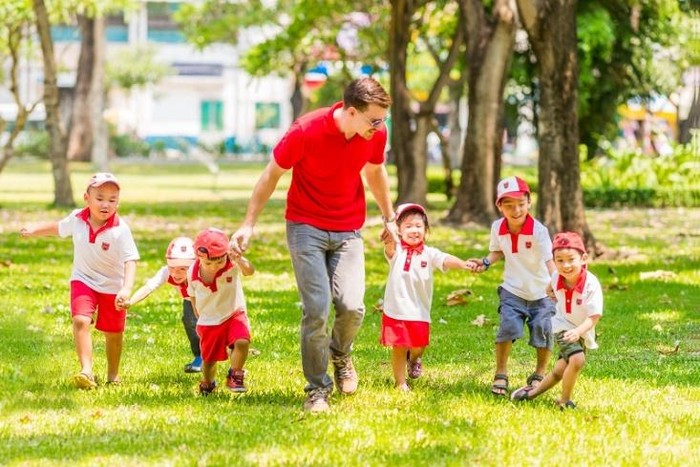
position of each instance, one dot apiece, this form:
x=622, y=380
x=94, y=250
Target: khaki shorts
x=567, y=349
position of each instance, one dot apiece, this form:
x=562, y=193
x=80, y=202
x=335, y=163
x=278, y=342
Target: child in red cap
x=215, y=288
x=104, y=266
x=525, y=246
x=409, y=291
x=579, y=307
x=178, y=257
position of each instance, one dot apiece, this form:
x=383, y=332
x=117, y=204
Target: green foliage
x=640, y=401
x=33, y=144
x=125, y=145
x=134, y=68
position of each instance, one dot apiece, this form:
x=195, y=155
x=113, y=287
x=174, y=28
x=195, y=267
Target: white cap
x=180, y=252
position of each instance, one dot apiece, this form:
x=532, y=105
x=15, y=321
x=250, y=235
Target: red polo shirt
x=327, y=190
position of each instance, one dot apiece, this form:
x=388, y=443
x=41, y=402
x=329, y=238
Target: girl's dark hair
x=410, y=211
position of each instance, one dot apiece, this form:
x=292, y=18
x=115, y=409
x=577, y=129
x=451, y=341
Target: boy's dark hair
x=362, y=92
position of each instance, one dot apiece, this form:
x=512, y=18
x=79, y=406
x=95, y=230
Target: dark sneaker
x=206, y=388
x=345, y=374
x=521, y=394
x=568, y=405
x=317, y=400
x=234, y=380
x=84, y=381
x=195, y=366
x=415, y=368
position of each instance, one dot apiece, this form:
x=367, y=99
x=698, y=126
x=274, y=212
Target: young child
x=524, y=244
x=104, y=265
x=409, y=291
x=179, y=257
x=214, y=286
x=579, y=307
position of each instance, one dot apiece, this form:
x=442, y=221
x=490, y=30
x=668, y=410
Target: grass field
x=638, y=397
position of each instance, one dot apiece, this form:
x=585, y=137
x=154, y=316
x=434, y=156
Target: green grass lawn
x=639, y=401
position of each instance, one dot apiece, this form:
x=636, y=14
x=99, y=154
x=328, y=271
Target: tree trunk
x=456, y=138
x=551, y=27
x=401, y=115
x=410, y=130
x=63, y=192
x=98, y=94
x=80, y=128
x=490, y=46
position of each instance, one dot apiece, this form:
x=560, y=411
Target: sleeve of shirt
x=594, y=296
x=158, y=279
x=66, y=225
x=493, y=240
x=190, y=285
x=544, y=242
x=437, y=258
x=289, y=150
x=379, y=148
x=129, y=250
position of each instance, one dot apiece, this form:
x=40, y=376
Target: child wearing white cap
x=104, y=266
x=525, y=246
x=409, y=291
x=179, y=257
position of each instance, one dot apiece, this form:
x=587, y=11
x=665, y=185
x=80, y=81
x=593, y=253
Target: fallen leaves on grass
x=676, y=349
x=458, y=297
x=659, y=274
x=480, y=320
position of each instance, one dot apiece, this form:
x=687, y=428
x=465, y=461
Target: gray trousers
x=329, y=266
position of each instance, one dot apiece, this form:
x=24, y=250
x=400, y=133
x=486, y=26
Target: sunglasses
x=374, y=122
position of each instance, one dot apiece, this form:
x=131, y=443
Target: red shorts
x=215, y=340
x=400, y=333
x=85, y=302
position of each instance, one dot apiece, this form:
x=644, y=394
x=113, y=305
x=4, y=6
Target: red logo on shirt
x=423, y=264
x=105, y=246
x=528, y=245
x=229, y=279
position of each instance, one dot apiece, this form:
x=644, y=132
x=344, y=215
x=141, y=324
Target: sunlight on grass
x=638, y=396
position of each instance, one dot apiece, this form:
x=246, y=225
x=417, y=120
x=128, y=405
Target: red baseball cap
x=100, y=178
x=568, y=240
x=511, y=187
x=211, y=243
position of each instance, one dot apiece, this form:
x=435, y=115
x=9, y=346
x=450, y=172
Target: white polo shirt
x=577, y=304
x=99, y=256
x=526, y=253
x=162, y=277
x=218, y=301
x=409, y=288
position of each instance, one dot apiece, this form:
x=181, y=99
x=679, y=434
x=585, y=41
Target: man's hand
x=240, y=239
x=392, y=230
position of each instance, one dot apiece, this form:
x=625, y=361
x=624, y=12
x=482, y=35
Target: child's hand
x=477, y=265
x=470, y=265
x=571, y=336
x=550, y=293
x=386, y=236
x=25, y=232
x=121, y=301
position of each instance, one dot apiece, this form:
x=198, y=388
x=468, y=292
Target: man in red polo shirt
x=329, y=149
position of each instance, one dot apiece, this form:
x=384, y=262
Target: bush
x=126, y=145
x=33, y=143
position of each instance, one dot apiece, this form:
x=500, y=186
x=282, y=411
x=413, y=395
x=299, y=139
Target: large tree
x=63, y=191
x=490, y=39
x=551, y=28
x=80, y=135
x=412, y=117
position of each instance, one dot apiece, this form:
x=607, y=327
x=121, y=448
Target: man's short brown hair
x=362, y=92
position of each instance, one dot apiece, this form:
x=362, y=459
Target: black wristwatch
x=487, y=264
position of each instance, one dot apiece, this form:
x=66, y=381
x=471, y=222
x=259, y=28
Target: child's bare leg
x=208, y=371
x=398, y=365
x=573, y=369
x=550, y=380
x=416, y=352
x=239, y=354
x=114, y=342
x=543, y=354
x=83, y=342
x=502, y=353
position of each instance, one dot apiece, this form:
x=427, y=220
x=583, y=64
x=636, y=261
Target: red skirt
x=400, y=333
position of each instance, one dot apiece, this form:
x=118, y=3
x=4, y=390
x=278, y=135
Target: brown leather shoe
x=345, y=375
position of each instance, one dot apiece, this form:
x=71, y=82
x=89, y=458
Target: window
x=267, y=115
x=161, y=27
x=212, y=115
